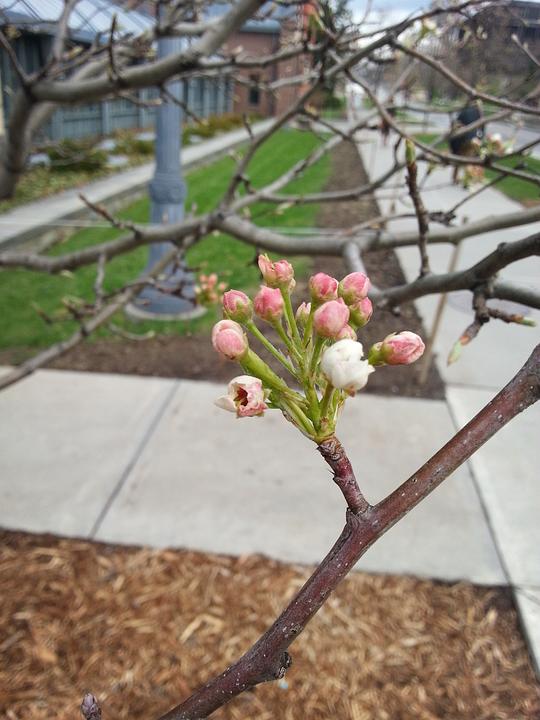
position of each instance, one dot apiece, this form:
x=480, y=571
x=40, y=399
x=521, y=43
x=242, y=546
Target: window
x=254, y=96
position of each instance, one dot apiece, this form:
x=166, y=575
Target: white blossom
x=343, y=366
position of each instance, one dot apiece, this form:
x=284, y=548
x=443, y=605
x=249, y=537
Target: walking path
x=28, y=221
x=505, y=472
x=152, y=461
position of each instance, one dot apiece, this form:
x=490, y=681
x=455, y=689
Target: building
x=261, y=38
x=487, y=54
x=31, y=25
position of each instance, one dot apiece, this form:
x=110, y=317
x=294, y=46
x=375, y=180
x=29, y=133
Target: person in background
x=468, y=143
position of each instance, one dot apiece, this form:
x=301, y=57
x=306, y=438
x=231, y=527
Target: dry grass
x=140, y=628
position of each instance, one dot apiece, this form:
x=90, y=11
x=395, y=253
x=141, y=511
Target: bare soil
x=143, y=628
x=190, y=357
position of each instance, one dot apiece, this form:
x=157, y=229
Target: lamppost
x=167, y=192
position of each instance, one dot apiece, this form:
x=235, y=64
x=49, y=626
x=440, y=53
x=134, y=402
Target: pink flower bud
x=323, y=288
x=361, y=312
x=354, y=287
x=279, y=274
x=268, y=304
x=302, y=313
x=346, y=333
x=330, y=318
x=245, y=397
x=401, y=349
x=229, y=340
x=237, y=306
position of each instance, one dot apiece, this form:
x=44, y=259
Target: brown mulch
x=142, y=628
x=385, y=271
x=191, y=357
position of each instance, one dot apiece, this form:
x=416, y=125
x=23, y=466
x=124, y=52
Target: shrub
x=333, y=102
x=78, y=155
x=127, y=143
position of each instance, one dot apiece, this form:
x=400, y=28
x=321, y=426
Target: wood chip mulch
x=141, y=628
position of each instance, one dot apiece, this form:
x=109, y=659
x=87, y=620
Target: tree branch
x=472, y=92
x=151, y=73
x=419, y=209
x=141, y=235
x=468, y=279
x=334, y=454
x=268, y=658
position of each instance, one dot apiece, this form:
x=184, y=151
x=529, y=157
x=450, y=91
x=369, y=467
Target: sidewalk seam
x=141, y=445
x=483, y=505
x=517, y=589
x=485, y=512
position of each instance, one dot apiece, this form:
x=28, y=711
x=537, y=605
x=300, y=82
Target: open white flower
x=245, y=397
x=343, y=366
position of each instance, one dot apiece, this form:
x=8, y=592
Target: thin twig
x=419, y=208
x=102, y=210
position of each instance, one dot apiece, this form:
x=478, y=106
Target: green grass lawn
x=22, y=326
x=515, y=188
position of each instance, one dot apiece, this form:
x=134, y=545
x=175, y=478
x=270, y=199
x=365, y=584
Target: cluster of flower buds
x=319, y=348
x=208, y=290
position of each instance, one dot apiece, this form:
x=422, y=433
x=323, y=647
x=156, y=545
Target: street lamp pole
x=167, y=192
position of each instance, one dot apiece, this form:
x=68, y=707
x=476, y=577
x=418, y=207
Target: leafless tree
x=122, y=65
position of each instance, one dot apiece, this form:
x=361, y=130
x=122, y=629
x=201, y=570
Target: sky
x=390, y=10
x=393, y=10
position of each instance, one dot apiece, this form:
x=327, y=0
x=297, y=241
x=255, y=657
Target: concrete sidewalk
x=124, y=459
x=506, y=471
x=33, y=220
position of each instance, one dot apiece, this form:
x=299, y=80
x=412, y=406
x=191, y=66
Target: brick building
x=264, y=38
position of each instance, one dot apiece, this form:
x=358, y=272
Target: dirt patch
x=143, y=628
x=191, y=356
x=385, y=271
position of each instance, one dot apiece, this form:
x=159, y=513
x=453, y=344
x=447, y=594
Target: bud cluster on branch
x=319, y=348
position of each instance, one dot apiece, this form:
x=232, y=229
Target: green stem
x=309, y=327
x=338, y=399
x=252, y=364
x=319, y=343
x=300, y=420
x=271, y=349
x=327, y=396
x=291, y=320
x=313, y=401
x=293, y=351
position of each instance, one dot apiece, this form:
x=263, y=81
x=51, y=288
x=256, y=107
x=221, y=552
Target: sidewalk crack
x=141, y=445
